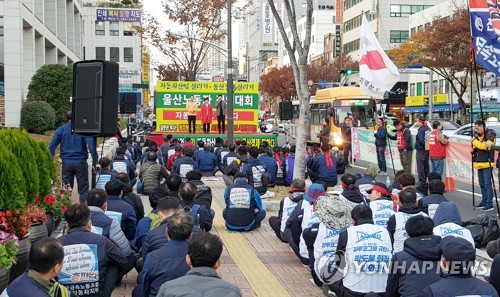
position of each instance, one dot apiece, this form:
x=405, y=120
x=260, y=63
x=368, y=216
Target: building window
x=401, y=11
x=426, y=88
x=127, y=29
x=114, y=54
x=100, y=53
x=114, y=28
x=334, y=19
x=398, y=36
x=412, y=90
x=419, y=89
x=350, y=3
x=356, y=21
x=99, y=28
x=128, y=54
x=312, y=38
x=351, y=46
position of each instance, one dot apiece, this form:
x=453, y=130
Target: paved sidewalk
x=274, y=254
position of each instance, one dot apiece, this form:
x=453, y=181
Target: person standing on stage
x=206, y=115
x=192, y=107
x=221, y=114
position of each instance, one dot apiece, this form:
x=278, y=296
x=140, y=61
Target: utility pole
x=248, y=62
x=431, y=94
x=230, y=100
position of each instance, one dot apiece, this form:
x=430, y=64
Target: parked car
x=448, y=127
x=267, y=126
x=464, y=134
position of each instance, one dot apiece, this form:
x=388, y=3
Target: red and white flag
x=377, y=72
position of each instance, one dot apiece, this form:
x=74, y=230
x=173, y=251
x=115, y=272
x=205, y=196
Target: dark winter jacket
x=423, y=134
x=250, y=166
x=73, y=147
x=411, y=270
x=432, y=199
x=207, y=161
x=459, y=285
x=325, y=173
x=129, y=221
x=225, y=162
x=134, y=200
x=204, y=194
x=151, y=174
x=241, y=217
x=381, y=136
x=346, y=133
x=353, y=195
x=176, y=168
x=26, y=286
x=271, y=166
x=109, y=228
x=160, y=266
x=124, y=163
x=447, y=213
x=107, y=252
x=143, y=228
x=288, y=165
x=204, y=217
x=236, y=165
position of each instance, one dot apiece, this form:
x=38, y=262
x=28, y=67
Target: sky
x=155, y=8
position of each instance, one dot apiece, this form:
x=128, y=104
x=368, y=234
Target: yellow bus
x=336, y=104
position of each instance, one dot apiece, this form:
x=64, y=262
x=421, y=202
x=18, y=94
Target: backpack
x=193, y=212
x=265, y=178
x=155, y=221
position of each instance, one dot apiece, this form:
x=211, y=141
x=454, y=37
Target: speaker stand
x=94, y=162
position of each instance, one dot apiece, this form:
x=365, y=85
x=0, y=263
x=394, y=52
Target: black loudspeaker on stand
x=128, y=103
x=95, y=98
x=95, y=102
x=285, y=110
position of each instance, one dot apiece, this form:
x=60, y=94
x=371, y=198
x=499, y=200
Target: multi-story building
x=323, y=23
x=110, y=35
x=419, y=85
x=262, y=36
x=34, y=33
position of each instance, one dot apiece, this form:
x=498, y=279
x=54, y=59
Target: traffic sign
x=310, y=83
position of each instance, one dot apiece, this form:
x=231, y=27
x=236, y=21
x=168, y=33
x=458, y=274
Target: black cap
x=457, y=249
x=381, y=187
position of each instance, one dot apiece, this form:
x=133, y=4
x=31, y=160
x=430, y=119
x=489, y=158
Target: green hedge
x=37, y=117
x=12, y=185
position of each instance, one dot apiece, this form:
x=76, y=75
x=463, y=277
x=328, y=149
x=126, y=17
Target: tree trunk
x=304, y=116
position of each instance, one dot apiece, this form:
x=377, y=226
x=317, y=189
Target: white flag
x=377, y=72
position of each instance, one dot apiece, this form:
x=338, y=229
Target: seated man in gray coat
x=202, y=280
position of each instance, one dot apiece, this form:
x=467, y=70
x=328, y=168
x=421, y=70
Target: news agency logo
x=362, y=236
x=382, y=207
x=448, y=231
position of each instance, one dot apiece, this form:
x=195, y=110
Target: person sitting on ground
x=153, y=148
x=189, y=202
x=280, y=175
x=270, y=164
x=235, y=166
x=287, y=205
x=228, y=158
x=45, y=263
x=172, y=158
x=381, y=204
x=151, y=174
x=121, y=163
x=350, y=276
x=105, y=261
x=202, y=280
x=395, y=188
x=221, y=153
x=367, y=181
x=169, y=261
x=218, y=146
x=407, y=181
x=188, y=144
x=334, y=216
x=243, y=211
x=408, y=207
x=431, y=202
x=105, y=173
x=104, y=225
x=204, y=192
x=155, y=238
x=119, y=209
x=448, y=222
x=198, y=149
x=207, y=162
x=288, y=165
x=416, y=266
x=151, y=221
x=324, y=165
x=184, y=164
x=256, y=172
x=173, y=182
x=351, y=191
x=304, y=216
x=458, y=264
x=130, y=197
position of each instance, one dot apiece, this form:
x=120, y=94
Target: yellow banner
x=205, y=87
x=146, y=96
x=423, y=100
x=145, y=66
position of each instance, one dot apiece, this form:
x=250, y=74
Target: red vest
x=437, y=149
x=400, y=138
